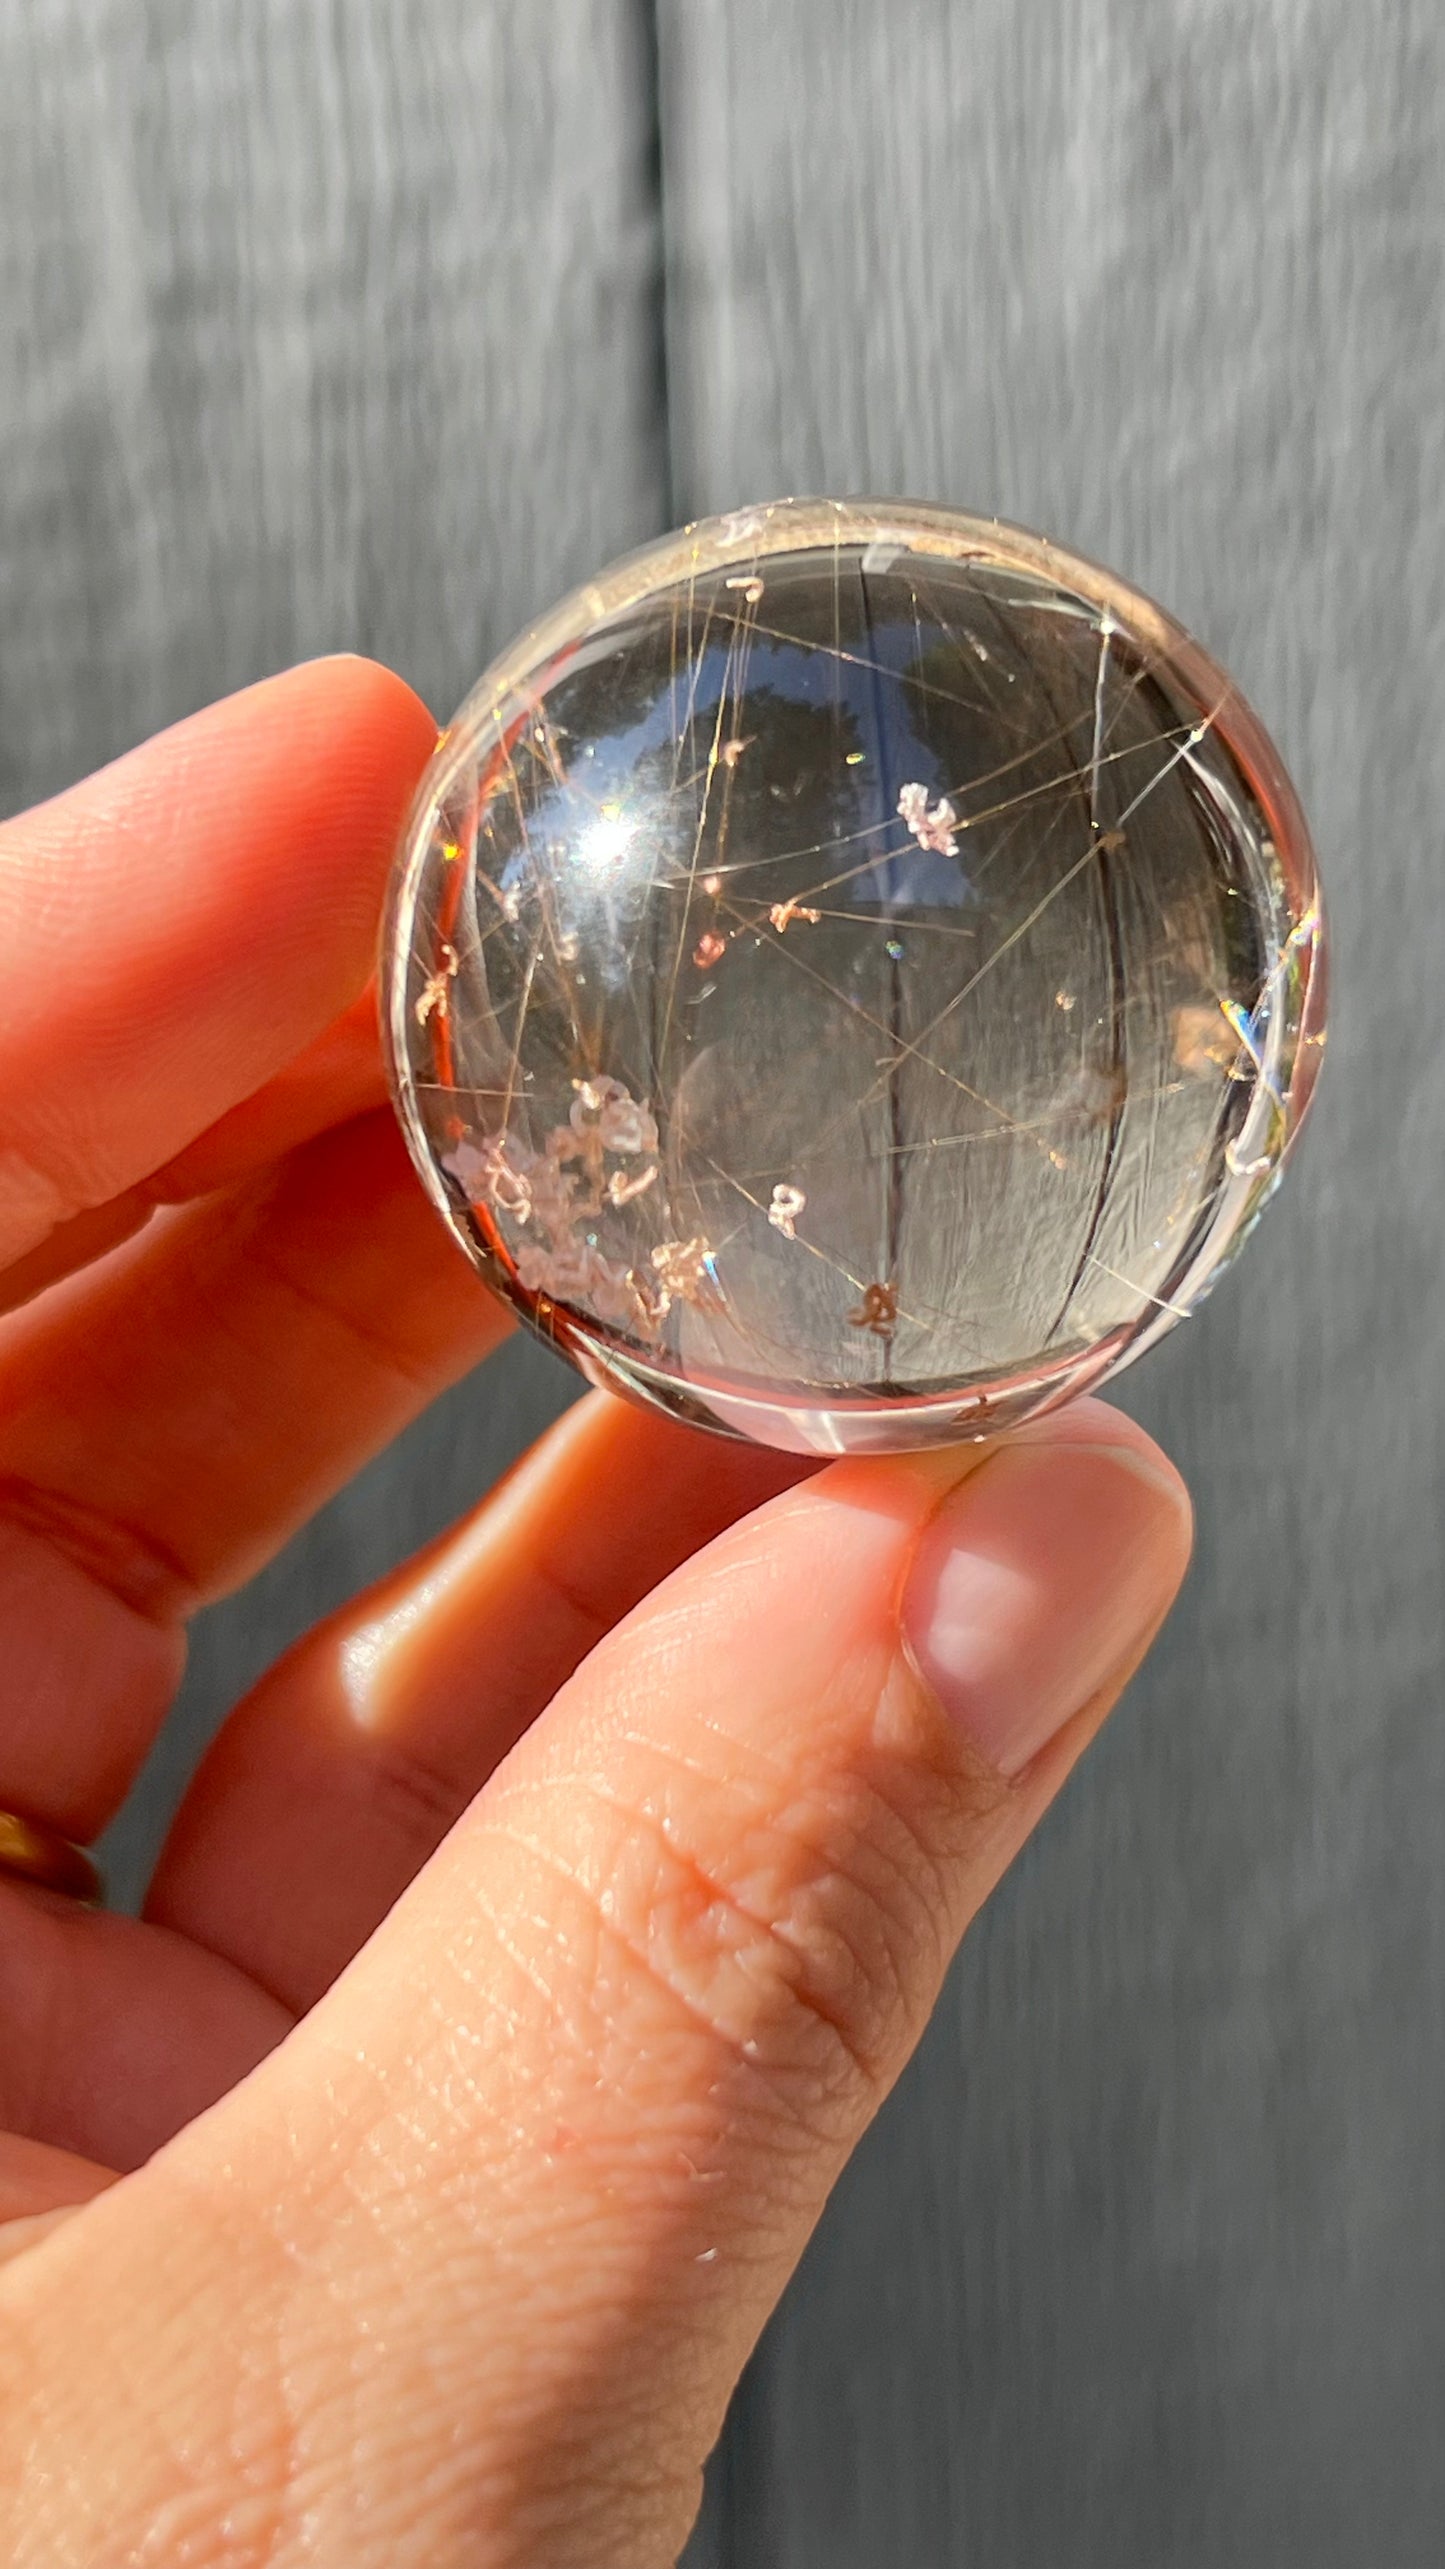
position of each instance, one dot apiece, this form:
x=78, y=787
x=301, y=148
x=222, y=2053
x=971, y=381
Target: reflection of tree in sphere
x=854, y=976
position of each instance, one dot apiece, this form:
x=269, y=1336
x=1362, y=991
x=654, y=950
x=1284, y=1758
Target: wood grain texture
x=334, y=325
x=1145, y=2263
x=321, y=327
x=329, y=326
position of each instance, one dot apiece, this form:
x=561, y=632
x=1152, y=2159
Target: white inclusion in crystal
x=472, y=1168
x=933, y=828
x=783, y=1212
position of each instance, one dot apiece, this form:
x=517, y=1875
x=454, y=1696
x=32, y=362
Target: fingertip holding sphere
x=854, y=975
x=1039, y=1579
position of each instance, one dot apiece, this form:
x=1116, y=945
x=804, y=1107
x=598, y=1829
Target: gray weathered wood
x=1144, y=2263
x=336, y=327
x=329, y=327
x=322, y=329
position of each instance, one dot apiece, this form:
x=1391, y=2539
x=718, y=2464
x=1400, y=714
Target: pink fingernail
x=1036, y=1579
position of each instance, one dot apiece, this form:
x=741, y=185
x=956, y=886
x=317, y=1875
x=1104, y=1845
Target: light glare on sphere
x=854, y=975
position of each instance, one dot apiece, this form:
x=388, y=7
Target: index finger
x=178, y=927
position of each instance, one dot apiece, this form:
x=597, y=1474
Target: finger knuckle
x=803, y=1937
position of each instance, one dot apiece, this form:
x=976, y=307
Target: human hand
x=461, y=2177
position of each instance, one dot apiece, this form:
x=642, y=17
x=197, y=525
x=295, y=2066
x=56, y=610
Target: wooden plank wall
x=324, y=328
x=1143, y=2268
x=343, y=326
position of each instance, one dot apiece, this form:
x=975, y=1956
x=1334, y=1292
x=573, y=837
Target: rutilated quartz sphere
x=854, y=975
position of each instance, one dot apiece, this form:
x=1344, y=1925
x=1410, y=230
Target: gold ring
x=34, y=1853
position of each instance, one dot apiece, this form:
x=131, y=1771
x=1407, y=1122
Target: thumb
x=478, y=2255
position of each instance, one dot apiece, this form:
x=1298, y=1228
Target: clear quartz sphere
x=854, y=975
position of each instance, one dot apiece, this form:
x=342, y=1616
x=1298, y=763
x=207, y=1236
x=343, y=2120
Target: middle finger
x=169, y=1418
x=335, y=1780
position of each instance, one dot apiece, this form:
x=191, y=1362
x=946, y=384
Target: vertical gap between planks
x=720, y=2537
x=652, y=52
x=718, y=2540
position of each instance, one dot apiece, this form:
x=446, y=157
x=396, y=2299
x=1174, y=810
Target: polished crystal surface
x=854, y=975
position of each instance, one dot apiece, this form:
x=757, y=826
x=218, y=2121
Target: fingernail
x=1034, y=1582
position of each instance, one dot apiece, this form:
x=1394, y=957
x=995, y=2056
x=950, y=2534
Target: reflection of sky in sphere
x=597, y=814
